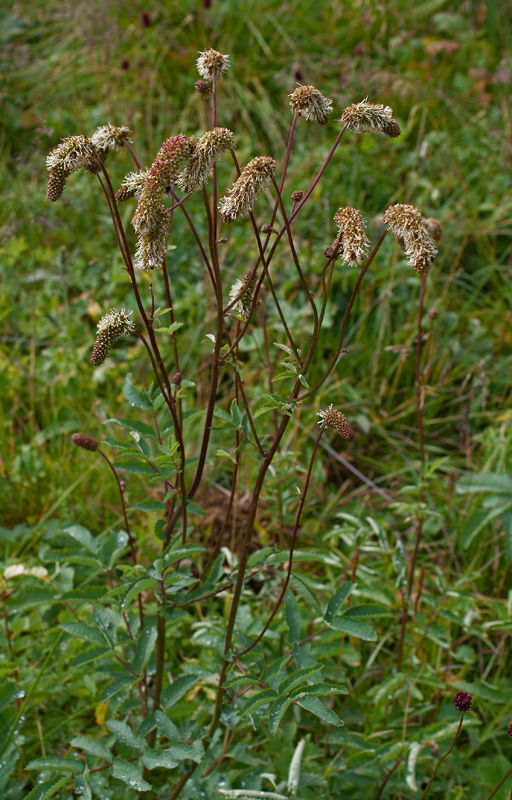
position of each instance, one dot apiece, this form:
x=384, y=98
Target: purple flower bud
x=462, y=701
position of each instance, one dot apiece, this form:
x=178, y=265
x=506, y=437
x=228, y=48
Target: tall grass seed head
x=365, y=117
x=132, y=185
x=411, y=230
x=254, y=179
x=163, y=172
x=209, y=149
x=109, y=137
x=212, y=62
x=309, y=103
x=352, y=242
x=111, y=327
x=332, y=418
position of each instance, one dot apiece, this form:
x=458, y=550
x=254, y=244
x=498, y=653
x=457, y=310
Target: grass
x=445, y=69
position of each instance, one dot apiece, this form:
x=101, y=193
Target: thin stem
x=292, y=547
x=500, y=784
x=443, y=757
x=388, y=775
x=135, y=159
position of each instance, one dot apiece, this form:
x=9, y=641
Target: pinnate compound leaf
x=177, y=689
x=92, y=746
x=260, y=699
x=83, y=536
x=145, y=646
x=277, y=712
x=337, y=600
x=275, y=668
x=293, y=618
x=124, y=733
x=83, y=632
x=133, y=396
x=352, y=627
x=158, y=758
x=368, y=612
x=299, y=677
x=316, y=707
x=127, y=772
x=47, y=789
x=57, y=764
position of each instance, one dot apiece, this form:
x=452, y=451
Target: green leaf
x=305, y=592
x=258, y=556
x=134, y=589
x=158, y=758
x=124, y=733
x=92, y=746
x=260, y=699
x=83, y=536
x=58, y=764
x=319, y=690
x=193, y=508
x=337, y=600
x=316, y=707
x=133, y=425
x=485, y=482
x=82, y=788
x=299, y=555
x=83, y=632
x=277, y=712
x=302, y=655
x=506, y=521
x=293, y=618
x=149, y=505
x=145, y=647
x=354, y=628
x=47, y=789
x=89, y=655
x=177, y=689
x=107, y=625
x=477, y=521
x=236, y=415
x=128, y=773
x=274, y=669
x=194, y=751
x=133, y=396
x=219, y=412
x=166, y=726
x=298, y=677
x=135, y=467
x=173, y=553
x=368, y=611
x=89, y=594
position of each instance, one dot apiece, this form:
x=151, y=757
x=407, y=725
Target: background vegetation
x=445, y=68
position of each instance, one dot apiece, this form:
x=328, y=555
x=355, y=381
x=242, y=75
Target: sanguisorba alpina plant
x=149, y=606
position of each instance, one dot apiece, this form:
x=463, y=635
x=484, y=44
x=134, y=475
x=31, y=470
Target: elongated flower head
x=109, y=137
x=365, y=117
x=85, y=442
x=111, y=327
x=308, y=102
x=351, y=243
x=72, y=154
x=132, y=185
x=212, y=62
x=411, y=230
x=247, y=285
x=152, y=246
x=163, y=172
x=242, y=196
x=210, y=148
x=332, y=418
x=56, y=183
x=462, y=701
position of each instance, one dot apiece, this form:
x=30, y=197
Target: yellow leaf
x=100, y=713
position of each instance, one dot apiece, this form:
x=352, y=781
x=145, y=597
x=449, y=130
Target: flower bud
x=297, y=196
x=84, y=441
x=332, y=418
x=462, y=701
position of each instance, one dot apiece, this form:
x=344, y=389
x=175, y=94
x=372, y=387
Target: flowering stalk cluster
x=351, y=242
x=210, y=148
x=365, y=117
x=412, y=233
x=111, y=327
x=241, y=199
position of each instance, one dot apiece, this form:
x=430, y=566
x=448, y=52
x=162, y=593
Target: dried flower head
x=132, y=185
x=434, y=228
x=297, y=196
x=308, y=102
x=242, y=196
x=365, y=117
x=111, y=327
x=247, y=285
x=204, y=88
x=462, y=701
x=332, y=418
x=152, y=246
x=209, y=149
x=352, y=242
x=176, y=378
x=72, y=154
x=212, y=62
x=108, y=137
x=85, y=442
x=408, y=225
x=163, y=172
